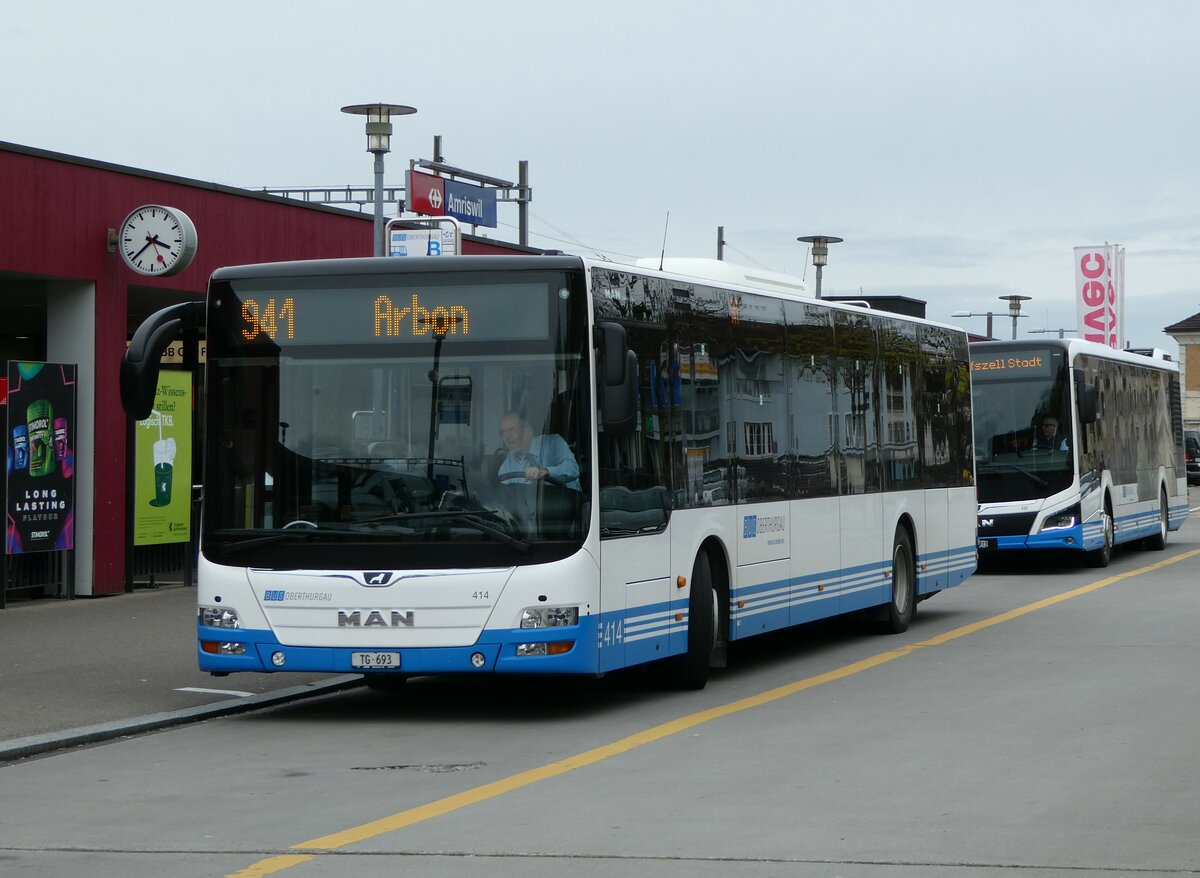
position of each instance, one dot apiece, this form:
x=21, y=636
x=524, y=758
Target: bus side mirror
x=617, y=373
x=1086, y=397
x=1087, y=404
x=139, y=368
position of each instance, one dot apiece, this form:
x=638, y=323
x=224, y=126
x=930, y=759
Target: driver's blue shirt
x=1057, y=442
x=550, y=452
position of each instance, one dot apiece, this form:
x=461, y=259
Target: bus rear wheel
x=899, y=610
x=690, y=670
x=1158, y=542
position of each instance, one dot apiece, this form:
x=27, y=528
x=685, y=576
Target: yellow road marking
x=505, y=785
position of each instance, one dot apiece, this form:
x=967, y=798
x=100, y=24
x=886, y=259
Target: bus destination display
x=1014, y=364
x=503, y=312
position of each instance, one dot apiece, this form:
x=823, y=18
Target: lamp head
x=379, y=123
x=820, y=247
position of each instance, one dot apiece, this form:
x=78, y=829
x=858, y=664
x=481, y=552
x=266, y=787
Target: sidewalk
x=91, y=669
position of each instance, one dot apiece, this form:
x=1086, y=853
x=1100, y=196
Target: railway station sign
x=432, y=195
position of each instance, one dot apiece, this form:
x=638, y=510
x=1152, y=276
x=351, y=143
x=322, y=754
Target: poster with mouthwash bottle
x=40, y=464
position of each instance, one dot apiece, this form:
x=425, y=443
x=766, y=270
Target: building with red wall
x=66, y=295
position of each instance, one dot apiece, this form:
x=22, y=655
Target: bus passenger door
x=635, y=508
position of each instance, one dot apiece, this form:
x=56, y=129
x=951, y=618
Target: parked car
x=1191, y=455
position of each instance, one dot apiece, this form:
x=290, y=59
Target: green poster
x=162, y=482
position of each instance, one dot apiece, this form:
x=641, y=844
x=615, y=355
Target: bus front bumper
x=510, y=651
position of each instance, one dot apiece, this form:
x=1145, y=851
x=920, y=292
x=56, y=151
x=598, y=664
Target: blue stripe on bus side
x=780, y=603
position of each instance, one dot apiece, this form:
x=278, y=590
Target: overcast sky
x=962, y=149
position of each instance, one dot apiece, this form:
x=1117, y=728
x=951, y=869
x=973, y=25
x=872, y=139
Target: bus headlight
x=560, y=647
x=1064, y=520
x=212, y=647
x=549, y=617
x=219, y=617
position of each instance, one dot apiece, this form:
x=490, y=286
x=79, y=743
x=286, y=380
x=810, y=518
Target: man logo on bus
x=441, y=321
x=372, y=577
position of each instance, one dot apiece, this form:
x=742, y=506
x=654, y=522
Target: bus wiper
x=1033, y=477
x=252, y=542
x=471, y=518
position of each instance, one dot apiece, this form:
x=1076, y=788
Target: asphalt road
x=112, y=662
x=1039, y=718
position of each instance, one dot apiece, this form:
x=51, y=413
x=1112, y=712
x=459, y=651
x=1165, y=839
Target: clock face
x=156, y=240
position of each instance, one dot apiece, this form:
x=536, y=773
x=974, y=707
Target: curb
x=33, y=745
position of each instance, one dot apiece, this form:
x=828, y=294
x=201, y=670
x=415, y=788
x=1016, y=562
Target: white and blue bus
x=1078, y=447
x=550, y=465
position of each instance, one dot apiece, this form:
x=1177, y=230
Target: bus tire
x=1100, y=557
x=1158, y=542
x=903, y=602
x=690, y=670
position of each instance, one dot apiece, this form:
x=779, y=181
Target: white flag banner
x=1097, y=300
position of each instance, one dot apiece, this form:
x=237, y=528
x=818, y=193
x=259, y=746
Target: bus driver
x=1048, y=437
x=531, y=458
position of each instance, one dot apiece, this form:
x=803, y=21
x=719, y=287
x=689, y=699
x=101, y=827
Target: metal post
x=523, y=203
x=720, y=242
x=378, y=204
x=819, y=267
x=989, y=325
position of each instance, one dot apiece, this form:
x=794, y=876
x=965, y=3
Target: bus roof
x=1153, y=359
x=720, y=271
x=395, y=265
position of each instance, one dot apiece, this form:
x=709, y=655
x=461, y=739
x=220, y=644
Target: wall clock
x=156, y=240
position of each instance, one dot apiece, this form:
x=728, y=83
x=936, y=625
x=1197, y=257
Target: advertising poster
x=162, y=480
x=40, y=435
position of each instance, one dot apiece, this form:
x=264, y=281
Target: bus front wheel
x=690, y=670
x=1100, y=557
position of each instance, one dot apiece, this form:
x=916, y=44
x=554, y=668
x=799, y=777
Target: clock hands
x=149, y=243
x=152, y=241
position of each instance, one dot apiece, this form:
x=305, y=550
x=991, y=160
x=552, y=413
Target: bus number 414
x=611, y=633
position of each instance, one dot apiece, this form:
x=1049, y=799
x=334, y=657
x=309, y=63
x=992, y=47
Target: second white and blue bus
x=1116, y=472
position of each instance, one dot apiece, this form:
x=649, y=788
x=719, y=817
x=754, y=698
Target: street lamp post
x=1014, y=308
x=987, y=314
x=820, y=253
x=1060, y=331
x=379, y=143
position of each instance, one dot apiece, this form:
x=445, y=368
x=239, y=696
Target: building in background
x=1187, y=333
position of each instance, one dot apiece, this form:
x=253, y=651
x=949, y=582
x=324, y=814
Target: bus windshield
x=411, y=421
x=1024, y=427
